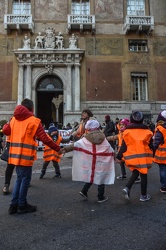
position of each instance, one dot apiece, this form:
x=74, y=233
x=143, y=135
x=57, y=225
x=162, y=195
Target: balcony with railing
x=18, y=22
x=138, y=24
x=81, y=23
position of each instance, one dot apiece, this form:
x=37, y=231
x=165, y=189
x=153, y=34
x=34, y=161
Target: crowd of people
x=128, y=142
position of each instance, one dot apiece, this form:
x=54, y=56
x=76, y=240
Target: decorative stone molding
x=54, y=57
x=49, y=57
x=48, y=41
x=49, y=68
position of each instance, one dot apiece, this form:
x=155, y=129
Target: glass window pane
x=139, y=87
x=76, y=8
x=138, y=45
x=21, y=7
x=80, y=7
x=136, y=7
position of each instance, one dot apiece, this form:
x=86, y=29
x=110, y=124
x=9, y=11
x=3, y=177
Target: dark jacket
x=109, y=128
x=158, y=137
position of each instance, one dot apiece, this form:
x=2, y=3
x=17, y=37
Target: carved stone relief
x=49, y=40
x=73, y=42
x=6, y=46
x=104, y=46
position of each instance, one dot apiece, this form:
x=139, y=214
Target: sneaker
x=121, y=177
x=12, y=209
x=163, y=190
x=145, y=197
x=126, y=193
x=6, y=189
x=83, y=194
x=103, y=199
x=57, y=176
x=138, y=180
x=42, y=174
x=26, y=209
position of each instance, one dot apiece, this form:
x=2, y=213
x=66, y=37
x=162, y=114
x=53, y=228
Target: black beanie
x=136, y=117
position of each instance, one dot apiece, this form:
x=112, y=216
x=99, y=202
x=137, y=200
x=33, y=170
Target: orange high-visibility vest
x=81, y=130
x=50, y=154
x=23, y=145
x=138, y=154
x=160, y=154
x=118, y=126
x=120, y=138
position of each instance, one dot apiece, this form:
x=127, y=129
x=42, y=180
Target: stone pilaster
x=77, y=87
x=68, y=89
x=28, y=93
x=20, y=84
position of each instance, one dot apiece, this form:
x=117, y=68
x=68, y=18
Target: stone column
x=20, y=85
x=57, y=113
x=77, y=87
x=28, y=93
x=68, y=89
x=57, y=101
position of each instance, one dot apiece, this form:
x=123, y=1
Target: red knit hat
x=107, y=117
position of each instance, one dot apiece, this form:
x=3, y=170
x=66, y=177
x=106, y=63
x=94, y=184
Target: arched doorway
x=48, y=88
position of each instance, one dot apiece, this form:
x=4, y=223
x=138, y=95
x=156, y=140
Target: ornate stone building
x=105, y=55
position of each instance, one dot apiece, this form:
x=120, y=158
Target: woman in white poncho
x=93, y=160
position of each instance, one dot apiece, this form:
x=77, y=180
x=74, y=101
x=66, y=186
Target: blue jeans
x=19, y=195
x=162, y=172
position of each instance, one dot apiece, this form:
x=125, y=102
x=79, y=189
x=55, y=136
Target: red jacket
x=21, y=113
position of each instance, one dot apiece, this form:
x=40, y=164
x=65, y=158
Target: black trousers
x=8, y=173
x=123, y=169
x=101, y=189
x=144, y=181
x=55, y=164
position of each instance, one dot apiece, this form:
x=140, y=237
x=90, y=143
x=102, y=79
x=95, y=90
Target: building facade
x=104, y=55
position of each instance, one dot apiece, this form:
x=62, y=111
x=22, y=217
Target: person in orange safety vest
x=159, y=144
x=137, y=150
x=122, y=126
x=85, y=116
x=23, y=129
x=50, y=154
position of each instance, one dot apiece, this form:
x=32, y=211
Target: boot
x=6, y=189
x=42, y=174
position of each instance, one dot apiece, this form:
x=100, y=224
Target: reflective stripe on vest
x=50, y=154
x=23, y=145
x=160, y=154
x=138, y=154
